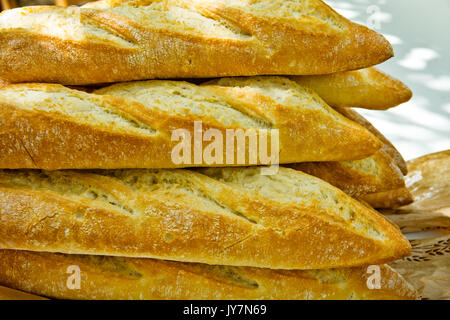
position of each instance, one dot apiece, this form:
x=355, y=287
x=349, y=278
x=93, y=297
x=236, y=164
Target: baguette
x=368, y=88
x=128, y=278
x=122, y=40
x=226, y=216
x=48, y=126
x=428, y=188
x=374, y=174
x=11, y=294
x=349, y=113
x=388, y=147
x=380, y=172
x=390, y=199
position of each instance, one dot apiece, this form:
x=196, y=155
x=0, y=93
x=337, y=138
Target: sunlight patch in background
x=422, y=61
x=417, y=58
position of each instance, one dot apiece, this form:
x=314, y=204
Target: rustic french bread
x=388, y=147
x=226, y=216
x=377, y=173
x=122, y=40
x=427, y=188
x=11, y=294
x=368, y=88
x=268, y=87
x=390, y=199
x=48, y=126
x=127, y=278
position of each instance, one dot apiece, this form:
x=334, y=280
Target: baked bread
x=388, y=147
x=270, y=89
x=122, y=40
x=428, y=186
x=390, y=199
x=368, y=88
x=11, y=294
x=428, y=180
x=377, y=173
x=3, y=83
x=48, y=126
x=128, y=278
x=380, y=172
x=225, y=216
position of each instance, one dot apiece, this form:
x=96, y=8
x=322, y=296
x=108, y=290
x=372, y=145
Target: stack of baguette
x=87, y=177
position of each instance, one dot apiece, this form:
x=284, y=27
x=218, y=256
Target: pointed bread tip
x=370, y=47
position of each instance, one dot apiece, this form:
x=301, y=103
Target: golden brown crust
x=11, y=294
x=52, y=127
x=377, y=173
x=3, y=83
x=368, y=88
x=113, y=41
x=222, y=216
x=380, y=172
x=390, y=199
x=388, y=146
x=427, y=185
x=126, y=278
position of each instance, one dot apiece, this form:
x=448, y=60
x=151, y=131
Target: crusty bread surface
x=131, y=125
x=388, y=147
x=123, y=40
x=367, y=88
x=377, y=173
x=381, y=172
x=127, y=278
x=390, y=199
x=226, y=216
x=12, y=294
